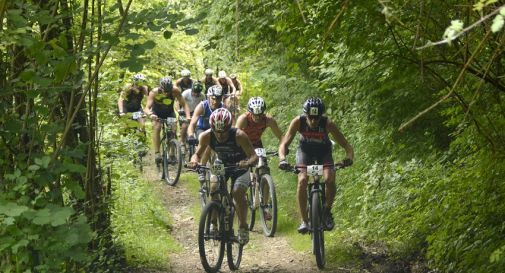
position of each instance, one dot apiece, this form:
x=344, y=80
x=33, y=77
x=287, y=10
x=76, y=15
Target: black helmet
x=166, y=84
x=197, y=87
x=313, y=107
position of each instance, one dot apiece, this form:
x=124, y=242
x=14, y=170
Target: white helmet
x=256, y=105
x=185, y=73
x=209, y=72
x=233, y=76
x=221, y=74
x=215, y=90
x=139, y=77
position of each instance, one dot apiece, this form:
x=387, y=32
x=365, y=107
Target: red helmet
x=220, y=120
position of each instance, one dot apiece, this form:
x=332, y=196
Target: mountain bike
x=139, y=138
x=316, y=200
x=171, y=153
x=261, y=194
x=216, y=227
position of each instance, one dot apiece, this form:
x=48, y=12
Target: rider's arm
x=339, y=137
x=245, y=143
x=288, y=138
x=182, y=102
x=150, y=101
x=275, y=128
x=239, y=88
x=241, y=122
x=194, y=119
x=120, y=102
x=230, y=83
x=216, y=82
x=202, y=146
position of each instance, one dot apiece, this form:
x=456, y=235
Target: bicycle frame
x=168, y=128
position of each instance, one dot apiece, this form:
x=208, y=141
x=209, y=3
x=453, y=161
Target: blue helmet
x=313, y=107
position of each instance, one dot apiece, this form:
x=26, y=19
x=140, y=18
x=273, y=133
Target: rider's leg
x=329, y=178
x=239, y=190
x=184, y=128
x=301, y=193
x=156, y=139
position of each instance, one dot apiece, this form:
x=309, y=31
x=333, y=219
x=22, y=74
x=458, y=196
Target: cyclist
x=193, y=97
x=160, y=104
x=253, y=123
x=315, y=146
x=200, y=119
x=130, y=98
x=226, y=83
x=232, y=147
x=209, y=80
x=237, y=83
x=185, y=82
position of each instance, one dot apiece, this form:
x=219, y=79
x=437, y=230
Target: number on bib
x=313, y=170
x=260, y=152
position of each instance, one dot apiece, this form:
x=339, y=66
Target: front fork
x=312, y=191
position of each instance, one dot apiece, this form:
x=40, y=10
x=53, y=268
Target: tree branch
x=460, y=77
x=446, y=41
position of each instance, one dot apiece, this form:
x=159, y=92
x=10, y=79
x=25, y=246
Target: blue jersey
x=203, y=120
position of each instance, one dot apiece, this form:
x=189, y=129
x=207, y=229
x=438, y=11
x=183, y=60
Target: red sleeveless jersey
x=255, y=130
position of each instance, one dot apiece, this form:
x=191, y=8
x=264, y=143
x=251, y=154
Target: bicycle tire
x=251, y=192
x=204, y=194
x=171, y=175
x=317, y=229
x=233, y=248
x=214, y=241
x=269, y=226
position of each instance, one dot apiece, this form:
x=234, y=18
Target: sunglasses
x=215, y=97
x=314, y=117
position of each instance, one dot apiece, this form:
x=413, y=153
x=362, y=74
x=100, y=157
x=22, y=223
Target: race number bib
x=171, y=120
x=217, y=169
x=260, y=152
x=136, y=115
x=313, y=170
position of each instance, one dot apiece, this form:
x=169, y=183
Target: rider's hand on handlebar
x=122, y=114
x=347, y=162
x=192, y=140
x=153, y=116
x=283, y=165
x=243, y=164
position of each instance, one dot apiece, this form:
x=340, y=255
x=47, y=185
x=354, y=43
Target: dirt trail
x=261, y=254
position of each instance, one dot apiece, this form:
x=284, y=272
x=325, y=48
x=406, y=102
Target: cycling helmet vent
x=256, y=105
x=313, y=107
x=197, y=87
x=185, y=73
x=215, y=90
x=220, y=120
x=166, y=84
x=221, y=74
x=139, y=77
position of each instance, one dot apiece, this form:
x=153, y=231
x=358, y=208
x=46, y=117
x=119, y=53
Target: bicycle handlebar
x=296, y=169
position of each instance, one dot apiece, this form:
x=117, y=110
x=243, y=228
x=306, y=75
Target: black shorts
x=164, y=114
x=305, y=158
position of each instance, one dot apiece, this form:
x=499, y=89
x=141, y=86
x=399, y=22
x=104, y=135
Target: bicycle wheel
x=172, y=162
x=251, y=192
x=204, y=192
x=233, y=248
x=268, y=204
x=317, y=229
x=210, y=237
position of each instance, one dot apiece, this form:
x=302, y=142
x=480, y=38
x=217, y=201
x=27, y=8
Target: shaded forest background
x=426, y=119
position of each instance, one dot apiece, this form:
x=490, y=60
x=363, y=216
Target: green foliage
x=429, y=190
